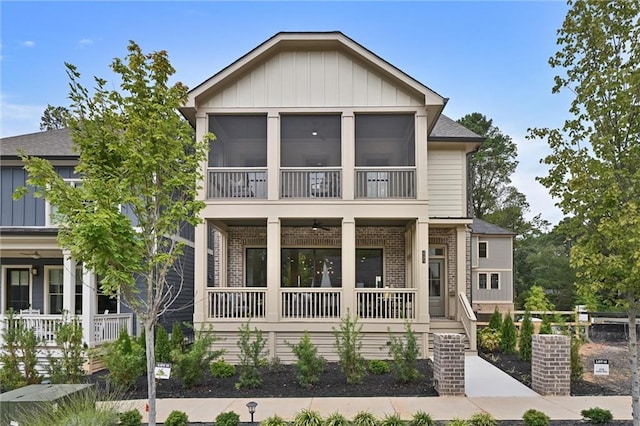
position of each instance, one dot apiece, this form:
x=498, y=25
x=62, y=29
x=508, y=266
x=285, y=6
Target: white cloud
x=29, y=43
x=85, y=42
x=19, y=119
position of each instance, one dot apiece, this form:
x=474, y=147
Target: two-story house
x=335, y=187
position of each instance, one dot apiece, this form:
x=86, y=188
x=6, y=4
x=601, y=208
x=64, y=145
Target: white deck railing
x=468, y=319
x=237, y=303
x=386, y=303
x=310, y=303
x=385, y=182
x=107, y=327
x=310, y=183
x=237, y=183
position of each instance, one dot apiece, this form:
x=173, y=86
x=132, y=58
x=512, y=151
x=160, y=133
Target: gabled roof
x=49, y=144
x=480, y=226
x=447, y=129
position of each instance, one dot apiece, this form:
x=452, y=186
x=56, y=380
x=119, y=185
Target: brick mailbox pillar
x=448, y=364
x=551, y=364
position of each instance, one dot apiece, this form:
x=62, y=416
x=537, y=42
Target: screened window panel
x=308, y=267
x=241, y=141
x=385, y=140
x=310, y=141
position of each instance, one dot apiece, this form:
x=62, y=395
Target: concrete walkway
x=483, y=379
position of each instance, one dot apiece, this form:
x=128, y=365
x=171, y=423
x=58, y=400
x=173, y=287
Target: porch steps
x=443, y=325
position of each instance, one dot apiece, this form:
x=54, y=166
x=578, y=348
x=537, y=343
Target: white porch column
x=422, y=174
x=349, y=266
x=273, y=269
x=461, y=273
x=200, y=272
x=348, y=157
x=421, y=268
x=273, y=155
x=68, y=283
x=89, y=305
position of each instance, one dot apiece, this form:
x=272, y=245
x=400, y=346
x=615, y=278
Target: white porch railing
x=310, y=183
x=310, y=303
x=236, y=183
x=468, y=319
x=386, y=303
x=107, y=326
x=385, y=182
x=237, y=303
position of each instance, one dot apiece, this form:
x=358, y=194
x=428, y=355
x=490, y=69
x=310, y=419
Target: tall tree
x=135, y=150
x=595, y=157
x=54, y=118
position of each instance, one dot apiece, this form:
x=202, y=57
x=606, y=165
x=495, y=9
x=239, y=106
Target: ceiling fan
x=33, y=254
x=317, y=225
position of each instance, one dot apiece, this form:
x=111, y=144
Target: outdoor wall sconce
x=252, y=408
x=34, y=271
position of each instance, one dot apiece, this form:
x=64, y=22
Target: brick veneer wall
x=551, y=364
x=448, y=363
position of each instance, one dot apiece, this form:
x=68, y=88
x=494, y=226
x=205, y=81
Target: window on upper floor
x=310, y=140
x=51, y=210
x=494, y=283
x=482, y=249
x=241, y=141
x=385, y=140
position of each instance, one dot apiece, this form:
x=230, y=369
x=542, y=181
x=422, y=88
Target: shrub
x=222, y=369
x=420, y=418
x=405, y=355
x=177, y=338
x=176, y=418
x=537, y=300
x=482, y=419
x=545, y=325
x=378, y=366
x=348, y=345
x=274, y=421
x=489, y=339
x=229, y=418
x=125, y=360
x=309, y=365
x=275, y=364
x=457, y=422
x=191, y=365
x=392, y=420
x=495, y=323
x=67, y=367
x=252, y=357
x=509, y=336
x=162, y=346
x=307, y=418
x=336, y=419
x=534, y=417
x=365, y=418
x=597, y=415
x=524, y=341
x=577, y=368
x=131, y=418
x=19, y=356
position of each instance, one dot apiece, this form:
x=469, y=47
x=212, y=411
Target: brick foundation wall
x=551, y=364
x=448, y=364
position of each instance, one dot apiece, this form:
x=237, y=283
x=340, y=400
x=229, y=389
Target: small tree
x=348, y=345
x=252, y=357
x=309, y=364
x=538, y=300
x=509, y=337
x=405, y=355
x=495, y=322
x=19, y=356
x=177, y=337
x=163, y=347
x=524, y=340
x=67, y=366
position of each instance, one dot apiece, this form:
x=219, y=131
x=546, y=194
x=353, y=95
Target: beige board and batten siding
x=311, y=79
x=447, y=194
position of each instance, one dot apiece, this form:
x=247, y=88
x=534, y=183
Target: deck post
x=69, y=283
x=273, y=269
x=348, y=266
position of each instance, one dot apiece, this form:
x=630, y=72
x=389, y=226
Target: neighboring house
x=336, y=186
x=491, y=267
x=40, y=280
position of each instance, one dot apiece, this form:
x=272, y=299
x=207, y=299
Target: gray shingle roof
x=480, y=226
x=446, y=128
x=51, y=143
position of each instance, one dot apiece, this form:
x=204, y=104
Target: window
x=482, y=281
x=55, y=290
x=369, y=268
x=106, y=302
x=482, y=249
x=51, y=211
x=256, y=267
x=310, y=141
x=18, y=288
x=495, y=281
x=79, y=290
x=385, y=140
x=493, y=285
x=241, y=141
x=309, y=267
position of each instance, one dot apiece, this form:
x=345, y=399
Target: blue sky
x=489, y=57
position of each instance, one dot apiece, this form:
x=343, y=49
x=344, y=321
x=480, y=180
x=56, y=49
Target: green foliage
x=191, y=365
x=405, y=355
x=307, y=417
x=392, y=420
x=508, y=337
x=177, y=338
x=163, y=346
x=421, y=418
x=252, y=357
x=482, y=419
x=19, y=355
x=537, y=300
x=365, y=418
x=534, y=417
x=525, y=338
x=378, y=366
x=275, y=364
x=489, y=339
x=348, y=345
x=309, y=365
x=125, y=360
x=456, y=421
x=336, y=419
x=274, y=421
x=176, y=418
x=229, y=418
x=222, y=369
x=577, y=367
x=68, y=365
x=131, y=418
x=495, y=322
x=597, y=415
x=54, y=118
x=545, y=325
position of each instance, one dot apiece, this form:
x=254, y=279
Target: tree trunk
x=149, y=328
x=633, y=362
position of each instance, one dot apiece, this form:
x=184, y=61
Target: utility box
x=18, y=401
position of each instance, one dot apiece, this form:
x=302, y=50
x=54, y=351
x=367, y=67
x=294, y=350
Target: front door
x=436, y=287
x=17, y=290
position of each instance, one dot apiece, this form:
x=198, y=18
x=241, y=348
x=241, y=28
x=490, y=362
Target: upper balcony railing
x=310, y=183
x=237, y=183
x=385, y=182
